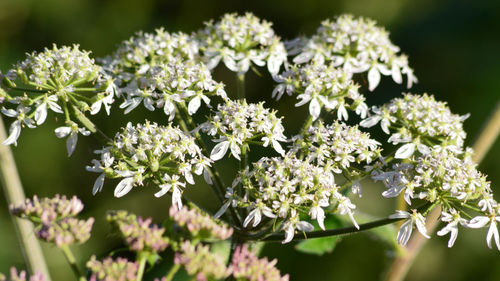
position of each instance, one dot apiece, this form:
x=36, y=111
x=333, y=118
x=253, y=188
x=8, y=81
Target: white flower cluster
x=146, y=50
x=240, y=41
x=357, y=45
x=236, y=124
x=164, y=155
x=420, y=122
x=59, y=79
x=174, y=82
x=336, y=147
x=286, y=187
x=451, y=179
x=57, y=68
x=321, y=86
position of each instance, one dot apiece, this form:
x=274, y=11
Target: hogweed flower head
x=59, y=79
x=140, y=234
x=164, y=155
x=284, y=188
x=240, y=41
x=322, y=86
x=237, y=123
x=200, y=262
x=247, y=266
x=357, y=45
x=54, y=219
x=21, y=276
x=336, y=146
x=198, y=224
x=112, y=269
x=420, y=122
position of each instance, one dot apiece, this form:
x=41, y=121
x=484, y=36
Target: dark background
x=453, y=46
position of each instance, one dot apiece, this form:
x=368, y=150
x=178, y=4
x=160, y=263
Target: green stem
x=72, y=262
x=306, y=125
x=14, y=194
x=142, y=258
x=241, y=86
x=29, y=90
x=172, y=272
x=332, y=232
x=188, y=125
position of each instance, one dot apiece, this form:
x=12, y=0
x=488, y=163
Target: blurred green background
x=454, y=47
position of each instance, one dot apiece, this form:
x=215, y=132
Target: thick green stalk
x=141, y=258
x=172, y=272
x=401, y=265
x=14, y=194
x=72, y=262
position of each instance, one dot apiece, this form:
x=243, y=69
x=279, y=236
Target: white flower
x=15, y=128
x=172, y=183
x=105, y=99
x=482, y=221
x=219, y=150
x=72, y=131
x=453, y=219
x=405, y=231
x=41, y=110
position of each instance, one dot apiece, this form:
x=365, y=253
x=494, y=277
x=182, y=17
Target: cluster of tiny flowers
x=357, y=45
x=21, y=276
x=139, y=234
x=56, y=79
x=112, y=269
x=442, y=176
x=337, y=146
x=163, y=154
x=322, y=86
x=286, y=187
x=54, y=219
x=198, y=224
x=247, y=266
x=420, y=122
x=165, y=85
x=200, y=262
x=240, y=41
x=236, y=124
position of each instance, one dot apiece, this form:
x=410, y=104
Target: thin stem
x=172, y=272
x=29, y=90
x=483, y=143
x=218, y=184
x=14, y=195
x=241, y=86
x=306, y=125
x=142, y=258
x=72, y=262
x=332, y=232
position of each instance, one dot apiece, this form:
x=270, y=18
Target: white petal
x=71, y=143
x=15, y=131
x=95, y=107
x=219, y=150
x=478, y=222
x=370, y=121
x=405, y=151
x=373, y=78
x=193, y=105
x=493, y=233
x=289, y=233
x=41, y=113
x=235, y=150
x=62, y=132
x=396, y=74
x=404, y=233
x=176, y=198
x=124, y=186
x=222, y=210
x=314, y=108
x=99, y=182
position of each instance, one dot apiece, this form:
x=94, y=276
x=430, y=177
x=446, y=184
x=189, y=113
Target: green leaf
x=318, y=246
x=323, y=245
